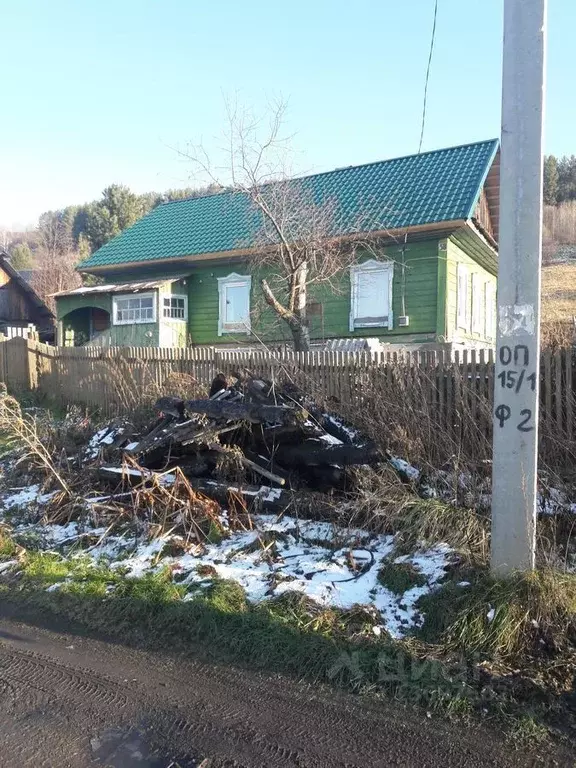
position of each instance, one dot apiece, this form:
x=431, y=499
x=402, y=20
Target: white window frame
x=126, y=296
x=462, y=298
x=180, y=296
x=477, y=304
x=490, y=310
x=372, y=266
x=233, y=280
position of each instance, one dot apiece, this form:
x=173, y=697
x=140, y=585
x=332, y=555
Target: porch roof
x=145, y=285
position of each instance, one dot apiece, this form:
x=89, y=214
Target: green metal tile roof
x=432, y=187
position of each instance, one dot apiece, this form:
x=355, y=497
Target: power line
x=423, y=125
x=424, y=106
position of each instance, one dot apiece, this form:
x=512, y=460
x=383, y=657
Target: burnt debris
x=249, y=433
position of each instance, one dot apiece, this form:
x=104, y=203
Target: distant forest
x=83, y=229
x=52, y=250
x=559, y=207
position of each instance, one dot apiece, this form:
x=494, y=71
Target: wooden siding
x=15, y=306
x=482, y=214
x=332, y=302
x=120, y=335
x=430, y=295
x=172, y=333
x=456, y=255
x=492, y=192
x=67, y=304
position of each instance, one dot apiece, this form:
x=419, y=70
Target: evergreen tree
x=550, y=180
x=21, y=257
x=567, y=178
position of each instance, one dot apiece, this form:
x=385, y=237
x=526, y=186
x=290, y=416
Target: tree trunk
x=296, y=320
x=301, y=338
x=300, y=331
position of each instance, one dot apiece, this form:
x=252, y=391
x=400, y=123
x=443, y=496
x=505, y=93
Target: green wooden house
x=182, y=274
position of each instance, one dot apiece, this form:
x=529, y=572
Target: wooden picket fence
x=448, y=399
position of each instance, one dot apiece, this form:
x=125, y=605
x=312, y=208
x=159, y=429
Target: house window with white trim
x=234, y=304
x=175, y=307
x=371, y=295
x=463, y=303
x=490, y=310
x=136, y=308
x=477, y=304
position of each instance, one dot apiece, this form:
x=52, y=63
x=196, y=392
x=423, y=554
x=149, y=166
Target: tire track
x=57, y=693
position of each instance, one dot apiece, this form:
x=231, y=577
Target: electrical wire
x=422, y=127
x=428, y=67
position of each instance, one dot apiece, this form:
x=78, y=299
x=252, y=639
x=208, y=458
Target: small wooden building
x=20, y=305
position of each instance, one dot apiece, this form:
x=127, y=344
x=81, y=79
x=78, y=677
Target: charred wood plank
x=219, y=383
x=257, y=498
x=315, y=453
x=171, y=406
x=181, y=436
x=253, y=412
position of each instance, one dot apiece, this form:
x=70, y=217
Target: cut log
x=253, y=412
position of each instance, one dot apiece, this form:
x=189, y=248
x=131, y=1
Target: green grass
x=400, y=577
x=293, y=635
x=526, y=733
x=289, y=634
x=506, y=618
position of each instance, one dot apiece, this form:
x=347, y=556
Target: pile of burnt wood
x=252, y=433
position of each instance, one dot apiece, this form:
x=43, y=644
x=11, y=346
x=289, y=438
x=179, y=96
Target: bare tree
x=54, y=275
x=55, y=233
x=5, y=239
x=294, y=244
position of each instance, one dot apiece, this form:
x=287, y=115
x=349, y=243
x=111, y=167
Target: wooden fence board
x=455, y=389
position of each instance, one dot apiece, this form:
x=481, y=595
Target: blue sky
x=99, y=92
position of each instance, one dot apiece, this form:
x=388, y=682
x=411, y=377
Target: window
x=463, y=319
x=234, y=304
x=477, y=305
x=371, y=295
x=139, y=308
x=175, y=307
x=490, y=310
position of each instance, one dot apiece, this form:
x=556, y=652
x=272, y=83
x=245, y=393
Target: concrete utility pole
x=518, y=347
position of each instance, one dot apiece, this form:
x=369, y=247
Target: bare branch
x=299, y=242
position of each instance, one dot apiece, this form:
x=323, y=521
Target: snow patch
x=402, y=466
x=27, y=496
x=104, y=436
x=334, y=566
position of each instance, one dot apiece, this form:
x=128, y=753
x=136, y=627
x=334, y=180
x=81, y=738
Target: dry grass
x=527, y=615
x=30, y=437
x=134, y=388
x=558, y=304
x=560, y=224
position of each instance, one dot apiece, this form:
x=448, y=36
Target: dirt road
x=66, y=700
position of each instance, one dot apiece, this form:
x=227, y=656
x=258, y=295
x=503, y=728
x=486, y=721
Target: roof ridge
x=338, y=170
x=427, y=188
